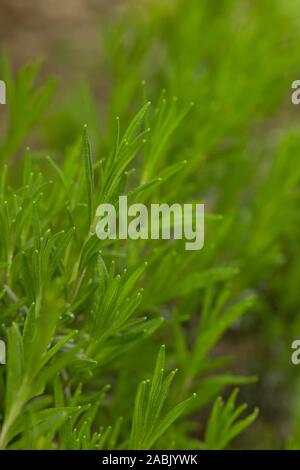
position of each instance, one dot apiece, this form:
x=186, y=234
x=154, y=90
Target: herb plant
x=86, y=321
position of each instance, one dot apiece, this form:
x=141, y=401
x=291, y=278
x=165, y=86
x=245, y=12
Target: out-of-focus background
x=65, y=35
x=112, y=45
x=48, y=29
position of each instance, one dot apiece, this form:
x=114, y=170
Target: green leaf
x=15, y=366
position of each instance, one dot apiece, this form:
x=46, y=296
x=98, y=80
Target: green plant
x=84, y=318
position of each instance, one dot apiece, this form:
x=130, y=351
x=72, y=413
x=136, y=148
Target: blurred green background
x=235, y=60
